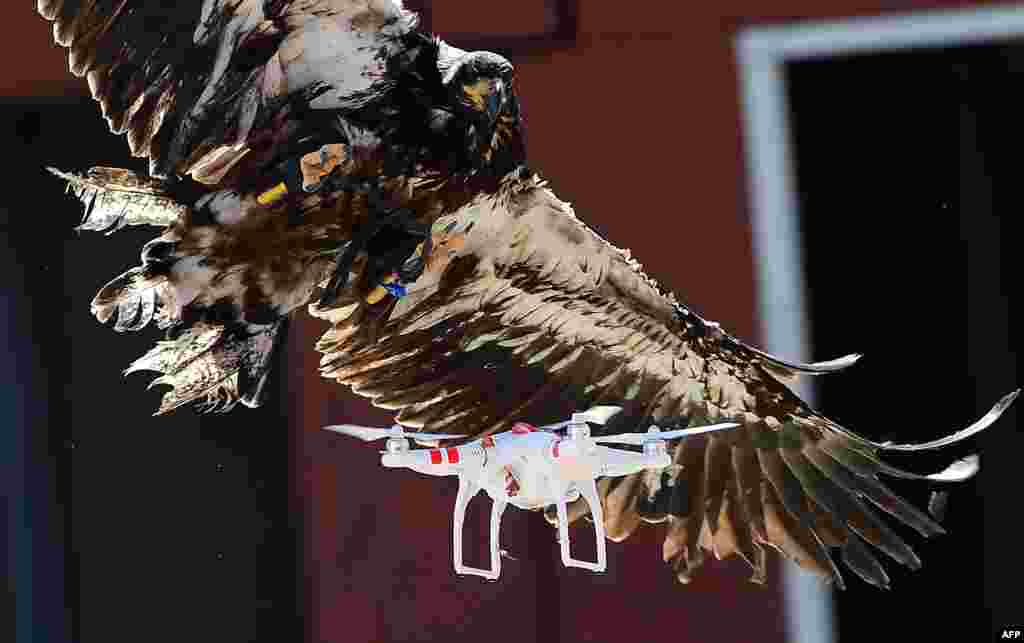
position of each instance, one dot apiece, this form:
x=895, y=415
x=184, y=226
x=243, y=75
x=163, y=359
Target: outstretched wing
x=524, y=312
x=195, y=84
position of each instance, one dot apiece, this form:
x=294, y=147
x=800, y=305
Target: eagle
x=327, y=154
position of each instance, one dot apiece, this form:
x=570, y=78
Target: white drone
x=529, y=467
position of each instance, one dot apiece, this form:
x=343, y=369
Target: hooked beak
x=486, y=98
x=493, y=102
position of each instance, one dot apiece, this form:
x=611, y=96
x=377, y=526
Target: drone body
x=530, y=468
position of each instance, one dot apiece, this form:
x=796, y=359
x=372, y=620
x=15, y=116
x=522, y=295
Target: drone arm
x=435, y=462
x=418, y=460
x=468, y=489
x=616, y=462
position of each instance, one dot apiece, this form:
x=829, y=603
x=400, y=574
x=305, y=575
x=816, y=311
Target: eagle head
x=482, y=90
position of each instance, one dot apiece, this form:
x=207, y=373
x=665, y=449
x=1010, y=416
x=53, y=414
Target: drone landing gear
x=468, y=489
x=589, y=492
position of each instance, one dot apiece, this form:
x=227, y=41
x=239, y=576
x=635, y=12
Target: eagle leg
x=346, y=257
x=416, y=263
x=391, y=254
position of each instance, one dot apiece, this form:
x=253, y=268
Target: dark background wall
x=234, y=526
x=908, y=180
x=131, y=524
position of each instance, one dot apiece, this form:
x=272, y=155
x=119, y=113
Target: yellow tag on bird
x=273, y=195
x=380, y=292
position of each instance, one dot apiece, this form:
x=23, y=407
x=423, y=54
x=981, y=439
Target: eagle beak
x=493, y=102
x=487, y=98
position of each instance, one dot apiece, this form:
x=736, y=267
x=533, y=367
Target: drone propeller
x=654, y=434
x=369, y=434
x=593, y=415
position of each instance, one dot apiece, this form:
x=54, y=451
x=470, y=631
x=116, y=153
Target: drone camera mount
x=578, y=428
x=396, y=445
x=655, y=448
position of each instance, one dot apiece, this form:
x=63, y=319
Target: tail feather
x=115, y=198
x=222, y=277
x=172, y=355
x=226, y=364
x=136, y=300
x=255, y=374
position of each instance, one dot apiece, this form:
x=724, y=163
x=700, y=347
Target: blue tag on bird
x=396, y=289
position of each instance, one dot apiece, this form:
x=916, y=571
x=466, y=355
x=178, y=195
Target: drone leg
x=468, y=489
x=496, y=510
x=589, y=492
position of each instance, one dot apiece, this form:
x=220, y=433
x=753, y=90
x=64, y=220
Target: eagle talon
x=401, y=216
x=344, y=263
x=412, y=269
x=394, y=283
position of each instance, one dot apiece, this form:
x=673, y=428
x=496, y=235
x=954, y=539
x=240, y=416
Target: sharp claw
x=330, y=293
x=412, y=269
x=340, y=276
x=409, y=271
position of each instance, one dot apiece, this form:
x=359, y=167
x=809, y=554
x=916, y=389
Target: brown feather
x=681, y=548
x=621, y=518
x=725, y=540
x=717, y=473
x=795, y=540
x=747, y=472
x=743, y=537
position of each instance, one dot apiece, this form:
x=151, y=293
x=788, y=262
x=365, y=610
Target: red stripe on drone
x=453, y=455
x=488, y=442
x=511, y=484
x=555, y=452
x=523, y=427
x=435, y=456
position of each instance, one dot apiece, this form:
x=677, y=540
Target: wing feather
x=743, y=537
x=535, y=316
x=796, y=539
x=681, y=551
x=193, y=82
x=747, y=472
x=621, y=518
x=716, y=477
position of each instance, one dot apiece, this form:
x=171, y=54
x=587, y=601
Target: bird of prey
x=325, y=151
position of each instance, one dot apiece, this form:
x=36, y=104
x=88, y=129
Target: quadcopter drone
x=529, y=467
